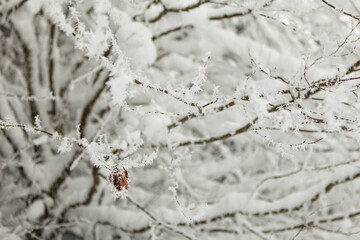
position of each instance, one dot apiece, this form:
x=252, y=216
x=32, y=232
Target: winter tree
x=192, y=119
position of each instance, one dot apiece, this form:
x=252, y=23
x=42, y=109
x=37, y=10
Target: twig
x=338, y=10
x=26, y=128
x=238, y=14
x=219, y=138
x=177, y=10
x=165, y=91
x=189, y=26
x=166, y=225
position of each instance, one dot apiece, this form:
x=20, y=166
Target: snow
x=97, y=153
x=179, y=4
x=35, y=210
x=115, y=216
x=65, y=145
x=118, y=88
x=6, y=234
x=246, y=205
x=135, y=41
x=29, y=9
x=154, y=130
x=244, y=127
x=53, y=10
x=41, y=140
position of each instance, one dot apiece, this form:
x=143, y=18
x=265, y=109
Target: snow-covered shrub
x=167, y=119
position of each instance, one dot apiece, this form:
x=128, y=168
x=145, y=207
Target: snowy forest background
x=167, y=119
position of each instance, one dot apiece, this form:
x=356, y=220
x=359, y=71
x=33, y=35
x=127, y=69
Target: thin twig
x=342, y=11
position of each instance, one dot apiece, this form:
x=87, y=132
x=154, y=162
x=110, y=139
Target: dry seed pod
x=119, y=178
